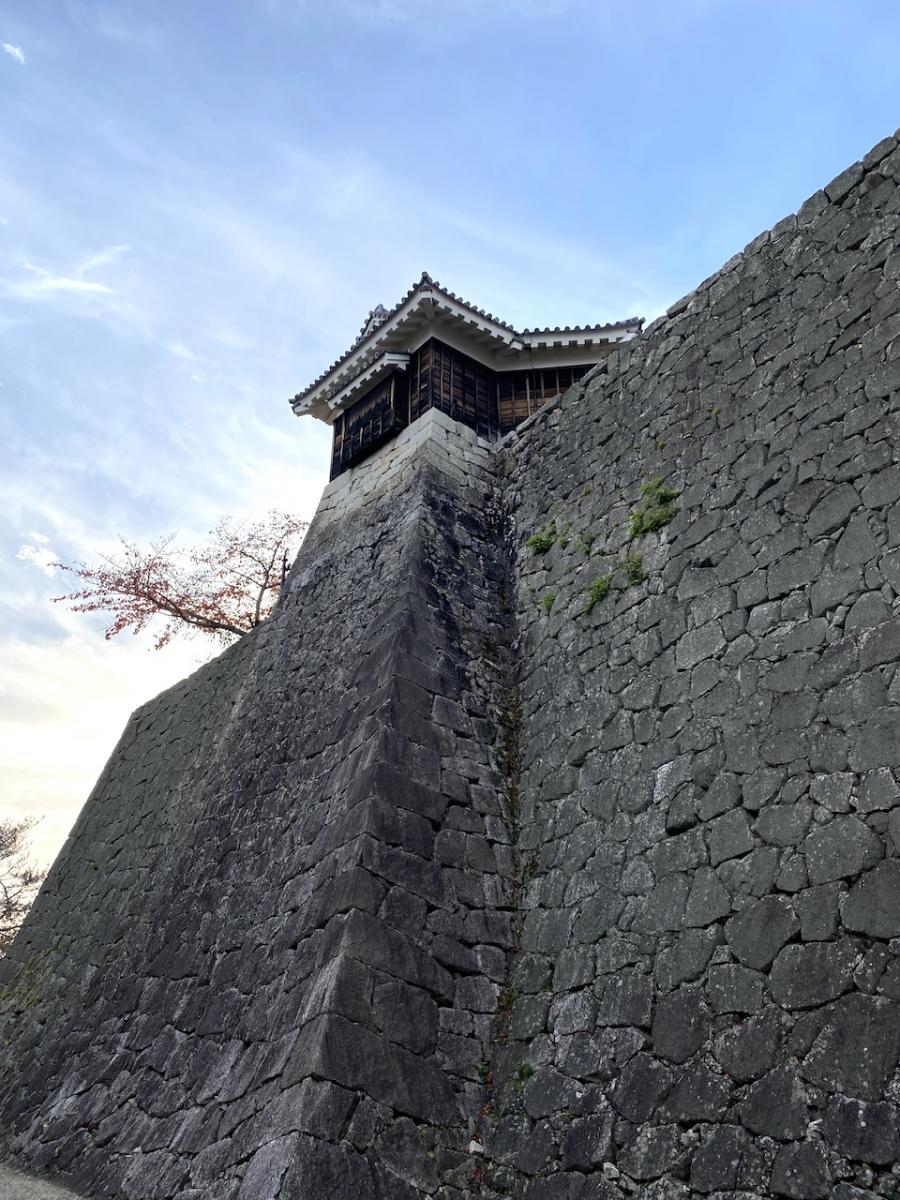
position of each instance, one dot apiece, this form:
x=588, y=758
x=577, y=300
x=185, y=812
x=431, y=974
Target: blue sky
x=199, y=202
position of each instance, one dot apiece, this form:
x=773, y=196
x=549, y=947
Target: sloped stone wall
x=544, y=843
x=706, y=1000
x=265, y=963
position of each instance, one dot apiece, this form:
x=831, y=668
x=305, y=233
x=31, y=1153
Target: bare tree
x=19, y=878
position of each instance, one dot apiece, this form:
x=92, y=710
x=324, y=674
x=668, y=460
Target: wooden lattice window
x=520, y=393
x=369, y=423
x=444, y=378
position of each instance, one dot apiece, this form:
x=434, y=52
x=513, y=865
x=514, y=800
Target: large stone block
x=840, y=849
x=807, y=976
x=873, y=904
x=856, y=1050
x=758, y=932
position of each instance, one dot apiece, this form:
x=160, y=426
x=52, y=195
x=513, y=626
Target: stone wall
x=707, y=990
x=544, y=842
x=265, y=962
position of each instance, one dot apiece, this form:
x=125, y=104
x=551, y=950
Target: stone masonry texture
x=562, y=867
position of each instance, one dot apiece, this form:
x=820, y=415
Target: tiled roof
x=379, y=316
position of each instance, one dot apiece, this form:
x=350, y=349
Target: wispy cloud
x=77, y=282
x=102, y=259
x=44, y=282
x=180, y=350
x=15, y=52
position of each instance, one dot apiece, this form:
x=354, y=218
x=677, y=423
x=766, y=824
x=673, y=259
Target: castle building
x=434, y=350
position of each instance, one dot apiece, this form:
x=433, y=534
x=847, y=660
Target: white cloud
x=42, y=558
x=180, y=350
x=15, y=52
x=101, y=259
x=45, y=282
x=76, y=283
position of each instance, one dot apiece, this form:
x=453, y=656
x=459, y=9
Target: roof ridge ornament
x=377, y=316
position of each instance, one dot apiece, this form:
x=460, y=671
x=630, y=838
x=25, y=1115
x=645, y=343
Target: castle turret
x=434, y=350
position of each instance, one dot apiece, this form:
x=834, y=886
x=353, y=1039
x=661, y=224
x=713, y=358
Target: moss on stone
x=658, y=509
